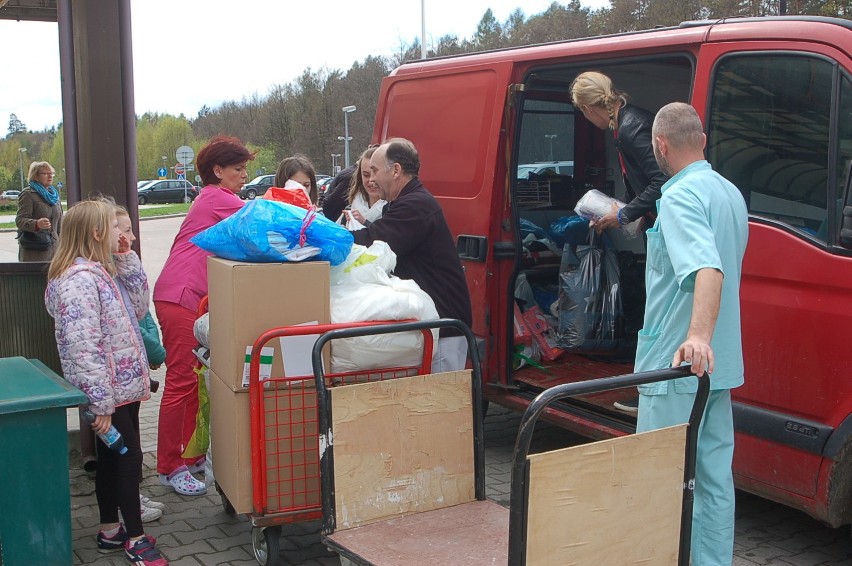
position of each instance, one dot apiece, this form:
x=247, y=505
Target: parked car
x=546, y=167
x=140, y=184
x=167, y=190
x=322, y=187
x=10, y=195
x=257, y=187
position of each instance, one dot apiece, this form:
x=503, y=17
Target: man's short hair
x=679, y=123
x=402, y=151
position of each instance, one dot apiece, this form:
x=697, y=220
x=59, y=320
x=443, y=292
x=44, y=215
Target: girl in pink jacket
x=102, y=354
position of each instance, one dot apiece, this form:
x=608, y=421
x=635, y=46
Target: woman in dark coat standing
x=39, y=214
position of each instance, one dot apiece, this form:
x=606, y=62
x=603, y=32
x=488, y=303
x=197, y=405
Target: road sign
x=59, y=185
x=198, y=178
x=189, y=167
x=180, y=169
x=162, y=172
x=181, y=177
x=185, y=154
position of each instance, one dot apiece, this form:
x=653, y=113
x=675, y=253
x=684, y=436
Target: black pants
x=117, y=476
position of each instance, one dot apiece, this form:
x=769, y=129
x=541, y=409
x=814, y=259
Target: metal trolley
x=460, y=526
x=285, y=462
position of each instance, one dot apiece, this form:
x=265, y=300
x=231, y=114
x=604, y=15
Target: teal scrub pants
x=713, y=512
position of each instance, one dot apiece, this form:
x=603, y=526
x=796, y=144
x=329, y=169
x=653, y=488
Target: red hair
x=222, y=151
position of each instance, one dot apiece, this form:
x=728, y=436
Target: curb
x=176, y=215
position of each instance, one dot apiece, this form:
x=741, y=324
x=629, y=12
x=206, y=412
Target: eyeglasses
x=50, y=173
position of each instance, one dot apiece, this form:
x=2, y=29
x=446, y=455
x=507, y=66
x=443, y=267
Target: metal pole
x=422, y=29
x=21, y=152
x=346, y=137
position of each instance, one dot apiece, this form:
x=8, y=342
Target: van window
x=768, y=133
x=844, y=121
x=545, y=151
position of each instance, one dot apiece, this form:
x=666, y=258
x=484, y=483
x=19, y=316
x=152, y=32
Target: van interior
x=550, y=130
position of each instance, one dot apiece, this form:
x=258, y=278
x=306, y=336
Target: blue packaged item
x=528, y=228
x=267, y=231
x=572, y=230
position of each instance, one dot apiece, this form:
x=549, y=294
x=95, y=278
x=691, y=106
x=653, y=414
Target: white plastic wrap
x=201, y=329
x=594, y=205
x=363, y=290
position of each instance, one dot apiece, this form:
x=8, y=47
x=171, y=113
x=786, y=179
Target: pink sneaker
x=143, y=552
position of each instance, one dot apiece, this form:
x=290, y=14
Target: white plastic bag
x=594, y=205
x=363, y=290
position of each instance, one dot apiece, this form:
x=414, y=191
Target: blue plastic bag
x=527, y=227
x=267, y=231
x=569, y=230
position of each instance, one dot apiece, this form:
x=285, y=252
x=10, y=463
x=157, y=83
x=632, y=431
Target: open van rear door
x=454, y=114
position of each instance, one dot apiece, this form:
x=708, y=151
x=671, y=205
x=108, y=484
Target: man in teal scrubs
x=692, y=315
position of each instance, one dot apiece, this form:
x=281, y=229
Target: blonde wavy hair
x=85, y=233
x=595, y=89
x=356, y=185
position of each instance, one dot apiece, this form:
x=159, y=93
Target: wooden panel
x=615, y=501
x=402, y=446
x=471, y=534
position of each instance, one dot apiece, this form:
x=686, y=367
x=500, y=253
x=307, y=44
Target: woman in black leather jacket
x=607, y=108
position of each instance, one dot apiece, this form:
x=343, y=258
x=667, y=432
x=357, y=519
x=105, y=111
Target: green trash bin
x=35, y=497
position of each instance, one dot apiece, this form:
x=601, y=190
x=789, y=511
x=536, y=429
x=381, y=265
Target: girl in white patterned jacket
x=102, y=354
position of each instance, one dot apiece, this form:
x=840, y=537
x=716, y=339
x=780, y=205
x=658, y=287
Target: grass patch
x=143, y=212
x=163, y=210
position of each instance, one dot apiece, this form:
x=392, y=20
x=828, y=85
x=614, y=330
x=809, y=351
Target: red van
x=775, y=95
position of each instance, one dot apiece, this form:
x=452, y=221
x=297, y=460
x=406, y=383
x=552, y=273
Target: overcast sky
x=244, y=47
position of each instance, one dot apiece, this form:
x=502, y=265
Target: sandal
x=183, y=482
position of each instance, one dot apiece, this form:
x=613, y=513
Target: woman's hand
x=608, y=221
x=43, y=224
x=102, y=423
x=356, y=214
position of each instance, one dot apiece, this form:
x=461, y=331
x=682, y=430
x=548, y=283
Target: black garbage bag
x=590, y=310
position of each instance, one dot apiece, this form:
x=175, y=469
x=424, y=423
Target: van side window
x=545, y=152
x=844, y=121
x=768, y=133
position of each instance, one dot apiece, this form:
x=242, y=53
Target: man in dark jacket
x=413, y=225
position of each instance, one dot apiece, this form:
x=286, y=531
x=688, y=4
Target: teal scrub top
x=702, y=222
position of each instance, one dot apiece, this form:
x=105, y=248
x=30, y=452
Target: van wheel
x=142, y=200
x=251, y=194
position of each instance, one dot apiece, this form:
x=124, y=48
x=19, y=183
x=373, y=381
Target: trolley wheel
x=266, y=544
x=226, y=503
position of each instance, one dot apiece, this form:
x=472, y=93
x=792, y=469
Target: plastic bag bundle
x=594, y=205
x=270, y=231
x=569, y=230
x=291, y=193
x=590, y=308
x=363, y=290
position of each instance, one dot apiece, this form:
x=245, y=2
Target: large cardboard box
x=292, y=451
x=247, y=299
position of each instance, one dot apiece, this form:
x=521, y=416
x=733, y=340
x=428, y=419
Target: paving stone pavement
x=196, y=531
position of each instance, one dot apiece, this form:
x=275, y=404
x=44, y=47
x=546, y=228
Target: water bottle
x=112, y=438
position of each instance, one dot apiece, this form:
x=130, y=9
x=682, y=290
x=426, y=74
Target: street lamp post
x=346, y=138
x=334, y=157
x=22, y=151
x=550, y=138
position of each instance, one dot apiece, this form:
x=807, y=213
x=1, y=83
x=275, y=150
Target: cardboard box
x=247, y=299
x=292, y=451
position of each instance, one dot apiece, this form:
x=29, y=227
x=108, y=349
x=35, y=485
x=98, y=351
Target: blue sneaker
x=115, y=542
x=143, y=552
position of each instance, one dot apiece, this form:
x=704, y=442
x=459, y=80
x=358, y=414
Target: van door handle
x=472, y=248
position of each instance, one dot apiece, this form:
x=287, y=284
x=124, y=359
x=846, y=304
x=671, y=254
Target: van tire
x=142, y=200
x=251, y=194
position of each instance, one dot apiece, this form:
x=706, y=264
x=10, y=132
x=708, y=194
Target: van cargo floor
x=571, y=368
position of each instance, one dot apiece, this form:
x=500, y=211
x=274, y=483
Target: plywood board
x=471, y=534
x=402, y=446
x=616, y=501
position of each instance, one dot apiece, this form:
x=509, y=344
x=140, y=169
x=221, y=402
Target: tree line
x=304, y=116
